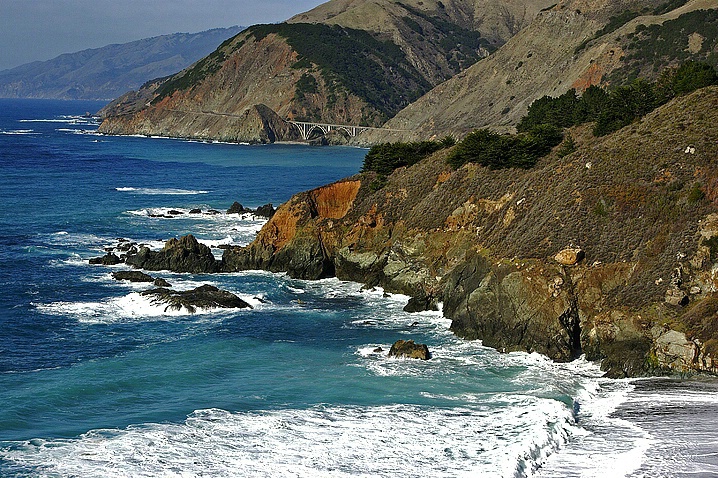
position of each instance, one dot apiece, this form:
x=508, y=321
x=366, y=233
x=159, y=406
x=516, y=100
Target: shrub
x=386, y=157
x=688, y=77
x=567, y=147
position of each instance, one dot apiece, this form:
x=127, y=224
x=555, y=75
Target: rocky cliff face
x=609, y=251
x=209, y=109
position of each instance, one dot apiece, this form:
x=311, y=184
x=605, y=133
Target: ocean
x=98, y=381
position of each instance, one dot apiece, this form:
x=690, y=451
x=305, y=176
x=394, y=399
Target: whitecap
x=132, y=307
x=19, y=132
x=161, y=191
x=372, y=441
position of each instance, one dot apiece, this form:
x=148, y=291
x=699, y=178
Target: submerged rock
x=409, y=349
x=133, y=276
x=179, y=255
x=108, y=259
x=205, y=297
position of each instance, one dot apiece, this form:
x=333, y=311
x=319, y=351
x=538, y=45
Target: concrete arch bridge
x=307, y=128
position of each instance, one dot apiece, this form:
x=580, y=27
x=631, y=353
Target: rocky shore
x=609, y=251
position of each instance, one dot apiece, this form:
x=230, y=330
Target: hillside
x=108, y=72
x=608, y=251
x=575, y=44
x=327, y=65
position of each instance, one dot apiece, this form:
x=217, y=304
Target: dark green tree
x=625, y=105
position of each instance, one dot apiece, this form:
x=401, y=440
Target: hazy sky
x=42, y=29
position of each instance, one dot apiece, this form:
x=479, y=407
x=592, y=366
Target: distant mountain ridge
x=351, y=62
x=110, y=71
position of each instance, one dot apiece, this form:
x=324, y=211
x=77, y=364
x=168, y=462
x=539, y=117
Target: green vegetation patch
x=386, y=157
x=506, y=151
x=462, y=46
x=376, y=71
x=690, y=37
x=613, y=110
x=614, y=23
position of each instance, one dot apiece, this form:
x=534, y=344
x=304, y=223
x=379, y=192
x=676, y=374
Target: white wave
x=161, y=191
x=132, y=307
x=79, y=120
x=64, y=238
x=379, y=441
x=19, y=132
x=75, y=260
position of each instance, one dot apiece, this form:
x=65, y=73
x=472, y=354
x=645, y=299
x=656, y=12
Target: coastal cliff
x=609, y=251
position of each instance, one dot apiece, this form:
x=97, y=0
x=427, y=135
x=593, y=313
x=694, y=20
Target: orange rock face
x=327, y=202
x=333, y=201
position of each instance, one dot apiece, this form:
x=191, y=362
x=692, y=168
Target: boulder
x=125, y=246
x=159, y=282
x=676, y=297
x=132, y=276
x=421, y=303
x=265, y=211
x=108, y=259
x=570, y=256
x=409, y=349
x=178, y=255
x=236, y=208
x=195, y=211
x=205, y=297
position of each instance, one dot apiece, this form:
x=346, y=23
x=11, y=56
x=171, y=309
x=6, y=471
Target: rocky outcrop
x=421, y=303
x=289, y=241
x=138, y=276
x=409, y=349
x=235, y=208
x=265, y=211
x=132, y=276
x=109, y=259
x=178, y=255
x=203, y=297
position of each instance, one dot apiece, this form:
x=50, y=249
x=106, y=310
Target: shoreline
x=644, y=427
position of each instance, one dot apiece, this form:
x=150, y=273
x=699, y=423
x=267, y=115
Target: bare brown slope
x=642, y=204
x=498, y=20
x=223, y=106
x=540, y=60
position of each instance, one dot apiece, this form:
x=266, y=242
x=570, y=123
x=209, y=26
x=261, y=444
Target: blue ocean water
x=97, y=381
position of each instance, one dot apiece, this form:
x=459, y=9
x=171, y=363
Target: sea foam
x=379, y=441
